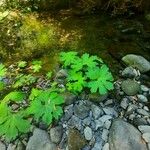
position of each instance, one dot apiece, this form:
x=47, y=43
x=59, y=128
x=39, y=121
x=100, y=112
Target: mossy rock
x=75, y=140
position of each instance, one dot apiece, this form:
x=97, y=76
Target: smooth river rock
x=124, y=136
x=130, y=87
x=137, y=61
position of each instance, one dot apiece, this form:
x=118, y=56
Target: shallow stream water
x=110, y=38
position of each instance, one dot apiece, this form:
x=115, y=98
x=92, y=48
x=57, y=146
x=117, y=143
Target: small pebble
x=124, y=103
x=144, y=88
x=142, y=98
x=105, y=134
x=88, y=133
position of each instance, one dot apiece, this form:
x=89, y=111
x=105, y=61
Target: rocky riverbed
x=117, y=121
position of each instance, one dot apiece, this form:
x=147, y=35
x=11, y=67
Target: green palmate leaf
x=22, y=80
x=2, y=85
x=49, y=75
x=76, y=81
x=36, y=66
x=101, y=80
x=34, y=93
x=3, y=70
x=13, y=124
x=14, y=96
x=68, y=58
x=48, y=102
x=86, y=60
x=22, y=64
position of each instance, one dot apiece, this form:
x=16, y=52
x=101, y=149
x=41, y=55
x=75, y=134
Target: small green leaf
x=36, y=66
x=2, y=85
x=49, y=75
x=14, y=96
x=22, y=64
x=68, y=57
x=3, y=70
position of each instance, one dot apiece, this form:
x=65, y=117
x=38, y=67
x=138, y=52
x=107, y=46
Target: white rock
x=88, y=133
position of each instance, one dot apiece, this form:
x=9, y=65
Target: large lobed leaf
x=11, y=124
x=101, y=80
x=46, y=106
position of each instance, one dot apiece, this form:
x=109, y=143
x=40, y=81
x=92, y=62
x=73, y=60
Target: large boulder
x=137, y=61
x=124, y=136
x=40, y=141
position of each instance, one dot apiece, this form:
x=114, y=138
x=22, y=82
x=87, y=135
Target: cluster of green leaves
x=45, y=105
x=39, y=105
x=86, y=72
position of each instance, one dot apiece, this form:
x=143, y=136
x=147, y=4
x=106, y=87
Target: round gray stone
x=130, y=87
x=56, y=134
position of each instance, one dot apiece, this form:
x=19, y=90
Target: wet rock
x=40, y=141
x=137, y=61
x=129, y=72
x=100, y=122
x=2, y=146
x=88, y=133
x=75, y=122
x=107, y=124
x=97, y=98
x=130, y=87
x=139, y=121
x=144, y=129
x=61, y=74
x=81, y=110
x=124, y=103
x=75, y=140
x=142, y=98
x=131, y=108
x=56, y=134
x=87, y=121
x=105, y=134
x=68, y=112
x=97, y=146
x=97, y=112
x=124, y=136
x=106, y=146
x=69, y=98
x=110, y=111
x=144, y=88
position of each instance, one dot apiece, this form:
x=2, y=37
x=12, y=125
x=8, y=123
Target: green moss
x=36, y=37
